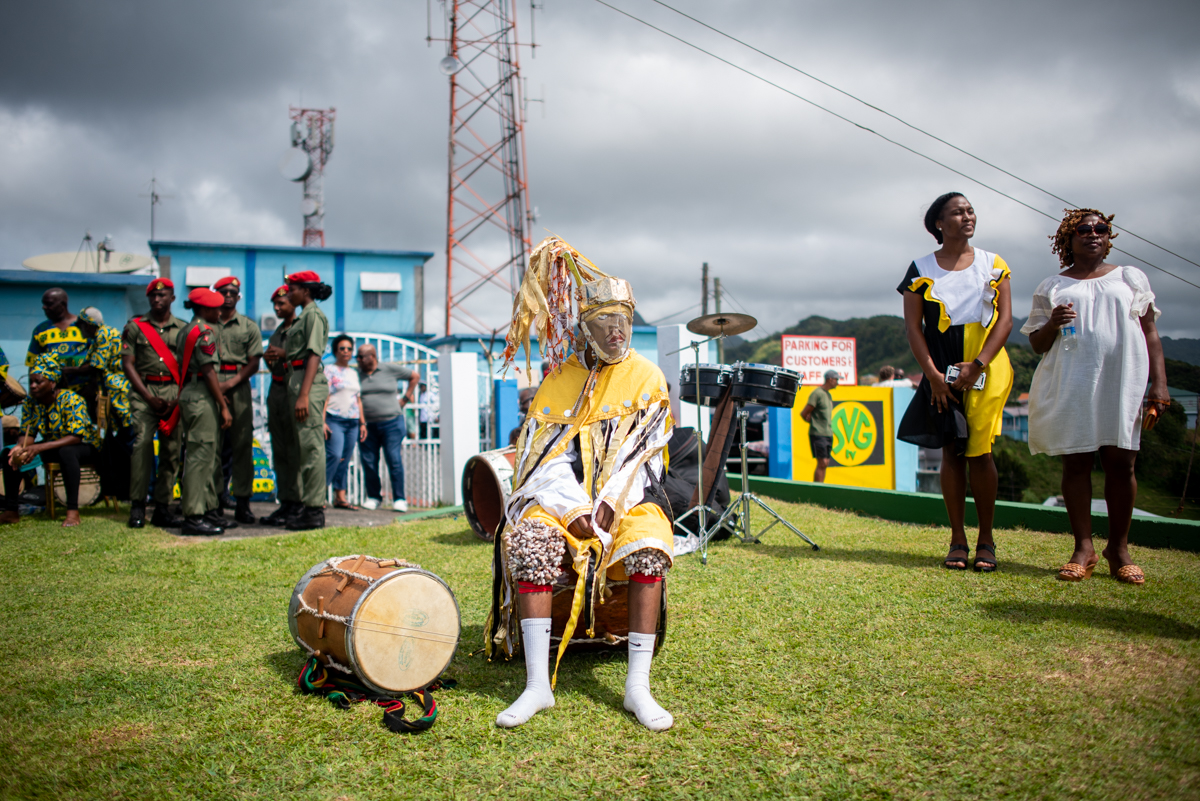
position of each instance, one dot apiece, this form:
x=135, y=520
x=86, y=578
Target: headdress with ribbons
x=560, y=287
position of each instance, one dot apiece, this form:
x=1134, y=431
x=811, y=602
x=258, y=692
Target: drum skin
x=486, y=485
x=89, y=487
x=765, y=384
x=404, y=626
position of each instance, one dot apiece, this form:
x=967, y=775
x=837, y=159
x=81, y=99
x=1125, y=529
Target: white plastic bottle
x=1070, y=339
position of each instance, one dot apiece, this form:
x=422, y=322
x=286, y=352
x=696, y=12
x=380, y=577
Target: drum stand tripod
x=701, y=509
x=738, y=520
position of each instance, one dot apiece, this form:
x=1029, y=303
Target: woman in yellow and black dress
x=958, y=314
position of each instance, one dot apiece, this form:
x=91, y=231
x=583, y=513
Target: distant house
x=1016, y=422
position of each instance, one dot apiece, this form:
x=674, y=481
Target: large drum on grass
x=486, y=485
x=389, y=623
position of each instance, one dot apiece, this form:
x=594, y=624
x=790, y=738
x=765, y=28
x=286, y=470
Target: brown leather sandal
x=1073, y=571
x=1129, y=574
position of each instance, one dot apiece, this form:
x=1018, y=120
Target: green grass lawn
x=142, y=665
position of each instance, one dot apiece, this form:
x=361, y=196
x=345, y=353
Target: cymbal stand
x=739, y=523
x=701, y=510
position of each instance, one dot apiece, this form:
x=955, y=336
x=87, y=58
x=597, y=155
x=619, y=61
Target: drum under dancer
x=588, y=472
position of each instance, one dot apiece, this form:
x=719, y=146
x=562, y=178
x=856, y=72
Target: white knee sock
x=638, y=699
x=535, y=637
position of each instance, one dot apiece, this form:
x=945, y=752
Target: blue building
x=380, y=291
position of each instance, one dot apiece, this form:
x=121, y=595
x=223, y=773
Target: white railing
x=422, y=477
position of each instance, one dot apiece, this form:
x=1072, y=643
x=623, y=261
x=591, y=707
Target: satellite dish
x=85, y=262
x=296, y=165
x=308, y=206
x=450, y=65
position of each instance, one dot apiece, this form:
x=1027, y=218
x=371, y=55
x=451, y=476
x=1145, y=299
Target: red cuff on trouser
x=528, y=586
x=642, y=578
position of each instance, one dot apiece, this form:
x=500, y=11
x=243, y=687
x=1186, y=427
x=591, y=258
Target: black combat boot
x=163, y=518
x=213, y=516
x=243, y=514
x=198, y=526
x=286, y=511
x=312, y=517
x=137, y=515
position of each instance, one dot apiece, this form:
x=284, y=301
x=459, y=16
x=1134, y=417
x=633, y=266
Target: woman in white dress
x=1087, y=391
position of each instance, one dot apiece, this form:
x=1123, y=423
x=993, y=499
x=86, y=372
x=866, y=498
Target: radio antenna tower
x=487, y=208
x=312, y=135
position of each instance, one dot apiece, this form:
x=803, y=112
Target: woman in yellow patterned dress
x=60, y=418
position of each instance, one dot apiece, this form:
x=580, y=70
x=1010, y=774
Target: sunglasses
x=1101, y=229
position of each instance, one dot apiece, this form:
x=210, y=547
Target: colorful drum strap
x=342, y=692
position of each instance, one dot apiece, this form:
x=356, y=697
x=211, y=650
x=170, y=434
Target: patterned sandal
x=1073, y=571
x=952, y=562
x=984, y=564
x=1129, y=574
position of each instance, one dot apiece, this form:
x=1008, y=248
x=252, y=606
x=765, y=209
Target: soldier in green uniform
x=148, y=360
x=205, y=414
x=281, y=420
x=240, y=346
x=303, y=346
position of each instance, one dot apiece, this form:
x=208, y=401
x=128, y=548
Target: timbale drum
x=486, y=485
x=714, y=380
x=608, y=620
x=386, y=621
x=765, y=384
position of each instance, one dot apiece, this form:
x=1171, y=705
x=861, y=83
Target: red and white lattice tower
x=487, y=209
x=312, y=132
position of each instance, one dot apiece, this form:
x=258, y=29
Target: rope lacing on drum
x=332, y=565
x=333, y=663
x=304, y=607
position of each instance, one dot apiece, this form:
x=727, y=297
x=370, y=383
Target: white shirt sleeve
x=552, y=485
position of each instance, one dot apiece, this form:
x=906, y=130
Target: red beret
x=206, y=297
x=305, y=277
x=160, y=283
x=280, y=292
x=228, y=280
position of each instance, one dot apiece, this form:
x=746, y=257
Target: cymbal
x=727, y=323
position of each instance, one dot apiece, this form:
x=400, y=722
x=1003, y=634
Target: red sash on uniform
x=189, y=344
x=165, y=426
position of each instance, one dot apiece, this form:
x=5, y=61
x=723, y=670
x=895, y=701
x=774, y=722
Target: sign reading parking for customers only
x=812, y=356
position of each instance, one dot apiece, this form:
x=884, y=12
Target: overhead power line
x=860, y=126
x=908, y=124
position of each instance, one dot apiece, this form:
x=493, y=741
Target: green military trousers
x=281, y=424
x=202, y=432
x=309, y=439
x=241, y=407
x=141, y=468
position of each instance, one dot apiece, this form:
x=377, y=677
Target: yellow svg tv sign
x=863, y=438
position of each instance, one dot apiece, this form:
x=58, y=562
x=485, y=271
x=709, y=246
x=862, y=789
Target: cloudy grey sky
x=649, y=157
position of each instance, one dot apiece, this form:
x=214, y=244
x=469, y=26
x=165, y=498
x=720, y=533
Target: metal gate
x=421, y=451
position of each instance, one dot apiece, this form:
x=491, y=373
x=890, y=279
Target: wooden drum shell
x=486, y=485
x=342, y=643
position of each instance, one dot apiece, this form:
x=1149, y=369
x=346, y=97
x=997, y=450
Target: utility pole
x=155, y=200
x=704, y=289
x=717, y=308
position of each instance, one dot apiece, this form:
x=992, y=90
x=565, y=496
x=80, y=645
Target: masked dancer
x=588, y=472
